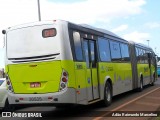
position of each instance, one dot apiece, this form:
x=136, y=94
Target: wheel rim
x=141, y=84
x=108, y=94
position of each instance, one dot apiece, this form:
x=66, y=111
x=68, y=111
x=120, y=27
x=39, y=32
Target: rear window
x=29, y=41
x=1, y=81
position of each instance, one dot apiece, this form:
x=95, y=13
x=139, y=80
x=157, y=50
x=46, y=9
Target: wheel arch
x=109, y=80
x=141, y=77
x=107, y=98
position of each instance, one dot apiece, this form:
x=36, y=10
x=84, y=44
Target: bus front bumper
x=68, y=96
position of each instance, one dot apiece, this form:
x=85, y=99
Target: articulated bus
x=59, y=62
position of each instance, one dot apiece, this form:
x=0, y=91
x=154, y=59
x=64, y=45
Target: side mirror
x=3, y=31
x=149, y=55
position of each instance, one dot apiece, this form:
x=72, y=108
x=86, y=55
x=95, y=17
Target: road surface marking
x=121, y=106
x=148, y=103
x=151, y=97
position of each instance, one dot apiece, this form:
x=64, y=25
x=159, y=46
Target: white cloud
x=91, y=11
x=137, y=37
x=120, y=28
x=153, y=25
x=18, y=12
x=15, y=12
x=1, y=58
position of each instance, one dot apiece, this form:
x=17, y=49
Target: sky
x=136, y=20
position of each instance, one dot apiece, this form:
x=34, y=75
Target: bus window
x=124, y=52
x=142, y=55
x=86, y=53
x=115, y=51
x=137, y=52
x=145, y=57
x=104, y=50
x=77, y=46
x=153, y=59
x=93, y=55
x=137, y=55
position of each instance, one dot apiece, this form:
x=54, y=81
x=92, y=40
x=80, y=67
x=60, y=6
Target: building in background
x=2, y=74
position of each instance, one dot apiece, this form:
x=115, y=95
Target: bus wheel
x=141, y=85
x=154, y=78
x=8, y=107
x=107, y=94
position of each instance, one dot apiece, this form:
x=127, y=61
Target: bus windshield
x=33, y=41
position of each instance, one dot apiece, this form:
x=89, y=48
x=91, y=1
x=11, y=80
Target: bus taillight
x=9, y=85
x=50, y=98
x=21, y=98
x=64, y=73
x=64, y=80
x=8, y=82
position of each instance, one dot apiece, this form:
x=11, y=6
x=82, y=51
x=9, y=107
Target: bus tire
x=154, y=78
x=8, y=107
x=141, y=84
x=107, y=94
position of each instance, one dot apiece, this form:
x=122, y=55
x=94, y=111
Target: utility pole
x=148, y=42
x=155, y=50
x=39, y=10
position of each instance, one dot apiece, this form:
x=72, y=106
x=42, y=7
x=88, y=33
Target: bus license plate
x=35, y=84
x=35, y=99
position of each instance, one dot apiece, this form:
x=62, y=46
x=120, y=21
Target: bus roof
x=37, y=23
x=62, y=21
x=100, y=31
x=143, y=46
x=116, y=36
x=97, y=31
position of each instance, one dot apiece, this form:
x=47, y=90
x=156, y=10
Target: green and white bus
x=58, y=62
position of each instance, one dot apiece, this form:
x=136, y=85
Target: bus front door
x=89, y=47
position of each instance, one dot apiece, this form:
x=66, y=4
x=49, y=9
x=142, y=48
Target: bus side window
x=153, y=59
x=125, y=52
x=140, y=56
x=93, y=53
x=115, y=51
x=78, y=46
x=149, y=58
x=104, y=50
x=137, y=54
x=86, y=52
x=145, y=57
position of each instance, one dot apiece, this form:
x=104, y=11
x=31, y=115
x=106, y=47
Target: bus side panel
x=147, y=74
x=105, y=70
x=119, y=73
x=153, y=71
x=122, y=78
x=80, y=77
x=68, y=65
x=143, y=70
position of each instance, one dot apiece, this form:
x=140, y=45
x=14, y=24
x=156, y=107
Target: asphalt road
x=88, y=112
